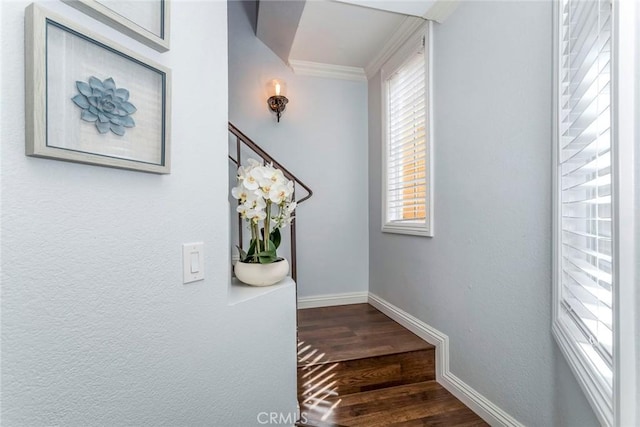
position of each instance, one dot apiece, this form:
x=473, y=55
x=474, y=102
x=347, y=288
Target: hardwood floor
x=357, y=367
x=356, y=331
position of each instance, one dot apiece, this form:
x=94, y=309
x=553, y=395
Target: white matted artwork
x=144, y=20
x=92, y=101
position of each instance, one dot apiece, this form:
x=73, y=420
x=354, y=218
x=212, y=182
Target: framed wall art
x=92, y=101
x=147, y=21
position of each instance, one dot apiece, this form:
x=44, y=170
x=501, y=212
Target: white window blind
x=584, y=179
x=406, y=168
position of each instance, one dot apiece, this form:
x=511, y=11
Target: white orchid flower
x=265, y=190
x=253, y=163
x=275, y=176
x=278, y=194
x=287, y=213
x=257, y=203
x=250, y=182
x=256, y=215
x=242, y=173
x=242, y=210
x=242, y=194
x=262, y=176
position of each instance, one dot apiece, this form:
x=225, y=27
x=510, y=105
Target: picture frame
x=145, y=21
x=92, y=101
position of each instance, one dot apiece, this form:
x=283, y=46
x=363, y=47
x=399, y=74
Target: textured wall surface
x=322, y=139
x=485, y=278
x=97, y=327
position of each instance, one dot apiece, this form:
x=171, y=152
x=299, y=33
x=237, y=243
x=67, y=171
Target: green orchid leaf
x=267, y=257
x=271, y=247
x=267, y=253
x=241, y=253
x=276, y=238
x=251, y=253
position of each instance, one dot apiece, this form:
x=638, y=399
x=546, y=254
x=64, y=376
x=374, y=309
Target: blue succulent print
x=105, y=105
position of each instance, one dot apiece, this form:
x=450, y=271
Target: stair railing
x=241, y=138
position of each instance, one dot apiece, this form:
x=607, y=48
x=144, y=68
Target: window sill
x=599, y=397
x=413, y=230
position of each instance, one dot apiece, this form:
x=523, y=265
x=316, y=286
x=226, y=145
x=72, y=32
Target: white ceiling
x=342, y=34
x=345, y=39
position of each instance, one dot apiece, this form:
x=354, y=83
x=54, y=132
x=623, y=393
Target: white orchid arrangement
x=265, y=197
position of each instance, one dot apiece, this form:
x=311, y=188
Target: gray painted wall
x=97, y=327
x=321, y=138
x=485, y=278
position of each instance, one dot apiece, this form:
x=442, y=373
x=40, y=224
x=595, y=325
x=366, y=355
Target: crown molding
x=409, y=26
x=441, y=10
x=330, y=71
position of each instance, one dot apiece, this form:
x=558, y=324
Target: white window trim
x=626, y=137
x=409, y=47
x=618, y=406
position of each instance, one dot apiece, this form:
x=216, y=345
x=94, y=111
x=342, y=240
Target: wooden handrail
x=242, y=138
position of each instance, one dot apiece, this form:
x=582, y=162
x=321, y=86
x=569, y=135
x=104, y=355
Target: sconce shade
x=276, y=87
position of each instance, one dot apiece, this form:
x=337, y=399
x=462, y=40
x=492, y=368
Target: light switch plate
x=193, y=262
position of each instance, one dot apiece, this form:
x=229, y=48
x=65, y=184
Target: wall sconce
x=277, y=101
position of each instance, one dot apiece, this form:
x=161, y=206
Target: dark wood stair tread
x=420, y=404
x=353, y=376
x=351, y=332
x=359, y=368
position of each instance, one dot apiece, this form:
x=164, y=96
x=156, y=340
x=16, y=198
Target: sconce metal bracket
x=277, y=104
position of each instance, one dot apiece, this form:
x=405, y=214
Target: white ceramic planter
x=261, y=274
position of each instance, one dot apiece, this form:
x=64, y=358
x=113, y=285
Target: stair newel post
x=294, y=269
x=239, y=216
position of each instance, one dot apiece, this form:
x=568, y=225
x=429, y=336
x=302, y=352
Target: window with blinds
x=584, y=273
x=406, y=189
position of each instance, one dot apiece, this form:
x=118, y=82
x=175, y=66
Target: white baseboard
x=333, y=299
x=421, y=329
x=467, y=395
